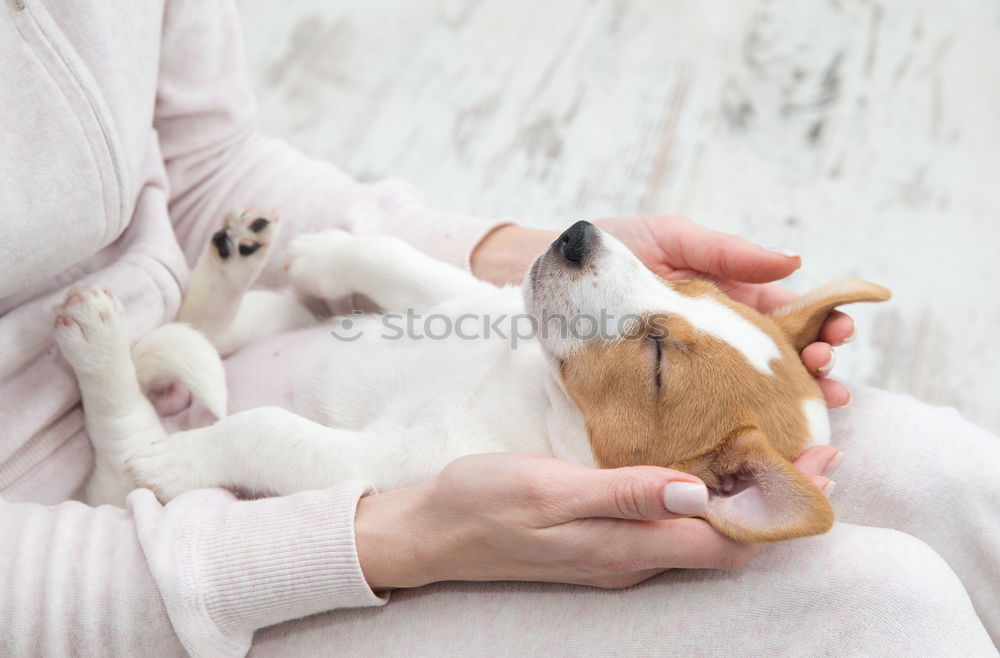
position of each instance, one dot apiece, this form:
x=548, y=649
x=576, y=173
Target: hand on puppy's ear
x=802, y=319
x=778, y=502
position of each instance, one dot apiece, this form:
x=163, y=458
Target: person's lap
x=856, y=590
x=930, y=473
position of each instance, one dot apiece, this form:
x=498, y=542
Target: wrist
x=394, y=547
x=505, y=254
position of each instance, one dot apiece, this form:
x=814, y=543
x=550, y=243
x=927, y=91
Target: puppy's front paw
x=90, y=329
x=317, y=261
x=170, y=467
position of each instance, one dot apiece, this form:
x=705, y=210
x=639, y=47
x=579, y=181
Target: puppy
x=593, y=360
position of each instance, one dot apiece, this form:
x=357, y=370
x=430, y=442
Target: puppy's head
x=677, y=374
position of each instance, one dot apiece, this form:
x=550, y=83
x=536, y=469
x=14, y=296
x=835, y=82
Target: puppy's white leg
x=393, y=274
x=92, y=334
x=263, y=313
x=265, y=450
x=216, y=301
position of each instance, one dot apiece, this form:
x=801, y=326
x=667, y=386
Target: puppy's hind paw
x=90, y=329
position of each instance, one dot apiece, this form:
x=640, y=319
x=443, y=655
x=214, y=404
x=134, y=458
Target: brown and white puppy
x=622, y=368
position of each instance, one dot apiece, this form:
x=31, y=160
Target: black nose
x=576, y=242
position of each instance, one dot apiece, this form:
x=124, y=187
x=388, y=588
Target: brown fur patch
x=707, y=390
x=709, y=397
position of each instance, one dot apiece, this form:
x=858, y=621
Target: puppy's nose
x=576, y=242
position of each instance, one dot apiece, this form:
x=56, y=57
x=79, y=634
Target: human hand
x=513, y=516
x=676, y=248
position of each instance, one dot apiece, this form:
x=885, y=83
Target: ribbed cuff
x=277, y=559
x=236, y=566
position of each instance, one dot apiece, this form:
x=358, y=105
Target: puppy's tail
x=178, y=351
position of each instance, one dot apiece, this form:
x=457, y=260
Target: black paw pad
x=223, y=243
x=259, y=225
x=247, y=249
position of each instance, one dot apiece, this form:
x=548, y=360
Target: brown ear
x=801, y=320
x=778, y=502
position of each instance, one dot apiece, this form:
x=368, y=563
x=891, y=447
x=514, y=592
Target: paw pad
x=246, y=233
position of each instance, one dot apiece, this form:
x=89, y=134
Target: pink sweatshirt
x=126, y=133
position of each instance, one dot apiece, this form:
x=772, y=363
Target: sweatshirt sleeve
x=200, y=574
x=216, y=161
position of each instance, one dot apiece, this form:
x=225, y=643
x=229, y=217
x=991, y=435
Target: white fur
x=818, y=421
x=391, y=412
x=178, y=351
x=617, y=282
x=262, y=313
x=93, y=337
x=217, y=301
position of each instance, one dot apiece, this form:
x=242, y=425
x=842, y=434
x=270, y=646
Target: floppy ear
x=802, y=319
x=778, y=502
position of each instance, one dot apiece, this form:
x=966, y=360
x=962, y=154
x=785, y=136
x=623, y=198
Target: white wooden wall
x=863, y=134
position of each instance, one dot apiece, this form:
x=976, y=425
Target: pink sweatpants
x=911, y=568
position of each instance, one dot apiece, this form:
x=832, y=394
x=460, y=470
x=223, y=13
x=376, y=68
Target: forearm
x=505, y=254
x=391, y=554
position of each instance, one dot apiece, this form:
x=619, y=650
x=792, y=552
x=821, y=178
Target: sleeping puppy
x=593, y=360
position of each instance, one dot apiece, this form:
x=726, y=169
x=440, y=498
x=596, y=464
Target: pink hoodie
x=126, y=133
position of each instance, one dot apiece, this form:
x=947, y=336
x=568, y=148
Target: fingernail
x=854, y=332
x=833, y=465
x=828, y=489
x=685, y=497
x=850, y=398
x=829, y=364
x=784, y=252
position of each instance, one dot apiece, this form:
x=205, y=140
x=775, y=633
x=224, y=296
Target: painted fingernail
x=829, y=364
x=850, y=398
x=685, y=498
x=788, y=253
x=828, y=489
x=833, y=465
